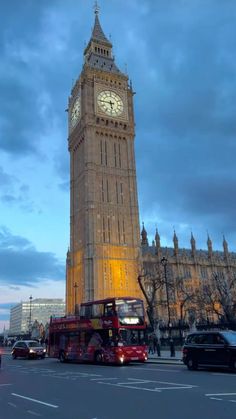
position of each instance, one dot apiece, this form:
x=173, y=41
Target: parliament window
x=117, y=194
x=204, y=274
x=103, y=152
x=121, y=193
x=186, y=271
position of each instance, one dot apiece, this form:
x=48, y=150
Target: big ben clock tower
x=104, y=252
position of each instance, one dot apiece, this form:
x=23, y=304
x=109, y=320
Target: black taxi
x=210, y=348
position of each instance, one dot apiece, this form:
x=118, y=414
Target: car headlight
x=44, y=350
x=31, y=351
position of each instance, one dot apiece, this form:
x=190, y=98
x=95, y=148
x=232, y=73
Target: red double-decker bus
x=106, y=331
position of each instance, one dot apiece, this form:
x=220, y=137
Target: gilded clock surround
x=75, y=112
x=115, y=100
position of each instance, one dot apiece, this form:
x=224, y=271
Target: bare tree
x=150, y=283
x=219, y=294
x=185, y=298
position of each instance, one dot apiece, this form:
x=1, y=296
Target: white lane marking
x=12, y=404
x=233, y=401
x=154, y=369
x=96, y=379
x=2, y=385
x=174, y=388
x=215, y=398
x=220, y=394
x=133, y=382
x=175, y=384
x=34, y=400
x=133, y=387
x=31, y=412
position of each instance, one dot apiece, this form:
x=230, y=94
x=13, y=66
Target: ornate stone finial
x=176, y=243
x=96, y=8
x=157, y=239
x=225, y=247
x=193, y=244
x=209, y=245
x=144, y=241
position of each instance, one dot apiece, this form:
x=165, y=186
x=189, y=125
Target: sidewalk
x=165, y=358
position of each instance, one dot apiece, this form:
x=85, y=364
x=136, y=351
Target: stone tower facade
x=104, y=254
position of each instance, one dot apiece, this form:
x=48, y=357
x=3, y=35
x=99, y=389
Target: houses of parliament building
x=106, y=255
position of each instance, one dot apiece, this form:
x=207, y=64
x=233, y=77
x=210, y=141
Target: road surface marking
x=221, y=394
x=175, y=384
x=2, y=385
x=132, y=387
x=233, y=401
x=31, y=412
x=134, y=383
x=96, y=379
x=34, y=400
x=174, y=388
x=154, y=369
x=12, y=404
x=215, y=398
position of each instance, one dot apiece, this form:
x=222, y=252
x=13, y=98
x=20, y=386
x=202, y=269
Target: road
x=48, y=389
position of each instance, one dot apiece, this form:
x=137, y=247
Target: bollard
x=172, y=348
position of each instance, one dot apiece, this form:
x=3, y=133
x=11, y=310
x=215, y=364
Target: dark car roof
x=210, y=331
x=28, y=341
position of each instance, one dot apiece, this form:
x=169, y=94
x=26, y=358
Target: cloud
x=22, y=264
x=180, y=57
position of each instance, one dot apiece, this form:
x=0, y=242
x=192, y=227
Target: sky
x=180, y=56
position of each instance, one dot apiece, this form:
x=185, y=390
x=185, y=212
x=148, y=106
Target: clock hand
x=107, y=101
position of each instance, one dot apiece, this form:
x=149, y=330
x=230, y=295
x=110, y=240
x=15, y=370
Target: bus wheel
x=62, y=357
x=98, y=358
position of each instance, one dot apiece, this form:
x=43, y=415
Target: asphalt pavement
x=48, y=389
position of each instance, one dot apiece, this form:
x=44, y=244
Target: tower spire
x=96, y=8
x=98, y=53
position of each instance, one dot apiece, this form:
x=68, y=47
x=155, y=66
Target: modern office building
x=23, y=315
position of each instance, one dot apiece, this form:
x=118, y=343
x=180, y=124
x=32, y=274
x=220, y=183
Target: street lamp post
x=75, y=288
x=164, y=262
x=30, y=314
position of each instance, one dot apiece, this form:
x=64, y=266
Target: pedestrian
x=158, y=348
x=154, y=343
x=150, y=344
x=172, y=348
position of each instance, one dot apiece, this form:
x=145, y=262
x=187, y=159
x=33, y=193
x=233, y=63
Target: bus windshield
x=130, y=312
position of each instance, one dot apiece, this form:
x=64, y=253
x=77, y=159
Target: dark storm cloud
x=13, y=192
x=186, y=113
x=181, y=59
x=22, y=264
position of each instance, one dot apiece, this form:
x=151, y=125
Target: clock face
x=110, y=103
x=75, y=112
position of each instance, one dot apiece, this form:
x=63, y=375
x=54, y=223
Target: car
x=28, y=349
x=210, y=348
